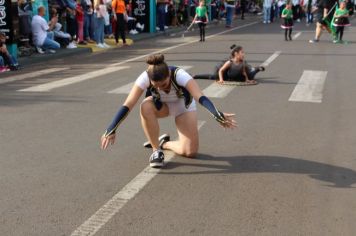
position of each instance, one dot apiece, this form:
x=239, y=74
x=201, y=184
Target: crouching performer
x=170, y=91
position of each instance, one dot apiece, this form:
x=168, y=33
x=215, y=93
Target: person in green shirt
x=201, y=18
x=287, y=15
x=340, y=21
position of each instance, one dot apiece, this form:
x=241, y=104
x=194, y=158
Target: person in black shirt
x=324, y=15
x=235, y=69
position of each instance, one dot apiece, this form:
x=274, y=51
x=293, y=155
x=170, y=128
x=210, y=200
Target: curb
x=61, y=53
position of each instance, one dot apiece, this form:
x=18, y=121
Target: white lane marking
x=31, y=75
x=71, y=80
x=216, y=90
x=271, y=58
x=310, y=87
x=185, y=67
x=123, y=89
x=297, y=35
x=113, y=206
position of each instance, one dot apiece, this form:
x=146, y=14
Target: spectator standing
x=25, y=12
x=296, y=10
x=71, y=21
x=42, y=36
x=161, y=14
x=87, y=6
x=243, y=8
x=80, y=23
x=267, y=4
x=100, y=12
x=182, y=15
x=120, y=16
x=274, y=10
x=230, y=10
x=309, y=9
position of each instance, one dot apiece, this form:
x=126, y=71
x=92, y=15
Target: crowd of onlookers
x=68, y=23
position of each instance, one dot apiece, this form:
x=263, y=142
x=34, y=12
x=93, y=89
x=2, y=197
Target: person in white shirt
x=100, y=13
x=170, y=91
x=42, y=36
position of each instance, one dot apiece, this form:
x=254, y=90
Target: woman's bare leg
x=188, y=136
x=149, y=120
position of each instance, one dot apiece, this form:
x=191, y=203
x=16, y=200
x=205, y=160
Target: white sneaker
x=142, y=27
x=106, y=45
x=165, y=27
x=138, y=25
x=132, y=32
x=264, y=22
x=51, y=51
x=39, y=50
x=100, y=45
x=157, y=28
x=71, y=46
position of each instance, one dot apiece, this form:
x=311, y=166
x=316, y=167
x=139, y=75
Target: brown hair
x=157, y=69
x=235, y=49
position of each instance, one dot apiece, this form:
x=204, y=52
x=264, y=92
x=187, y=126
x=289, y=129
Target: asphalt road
x=289, y=168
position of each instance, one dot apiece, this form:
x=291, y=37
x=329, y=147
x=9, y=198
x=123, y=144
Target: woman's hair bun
x=233, y=46
x=155, y=59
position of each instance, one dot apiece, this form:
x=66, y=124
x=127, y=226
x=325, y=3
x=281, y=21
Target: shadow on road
x=339, y=177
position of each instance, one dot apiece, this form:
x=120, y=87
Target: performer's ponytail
x=157, y=69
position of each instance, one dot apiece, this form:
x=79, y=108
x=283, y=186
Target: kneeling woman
x=171, y=91
x=235, y=69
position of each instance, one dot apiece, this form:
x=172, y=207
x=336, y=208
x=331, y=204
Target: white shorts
x=177, y=108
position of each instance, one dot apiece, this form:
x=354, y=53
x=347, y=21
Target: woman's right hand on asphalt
x=106, y=140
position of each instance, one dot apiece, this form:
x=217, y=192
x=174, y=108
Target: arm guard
x=218, y=116
x=119, y=117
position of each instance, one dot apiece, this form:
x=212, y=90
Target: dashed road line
x=271, y=58
x=71, y=80
x=310, y=87
x=32, y=74
x=123, y=89
x=297, y=35
x=216, y=90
